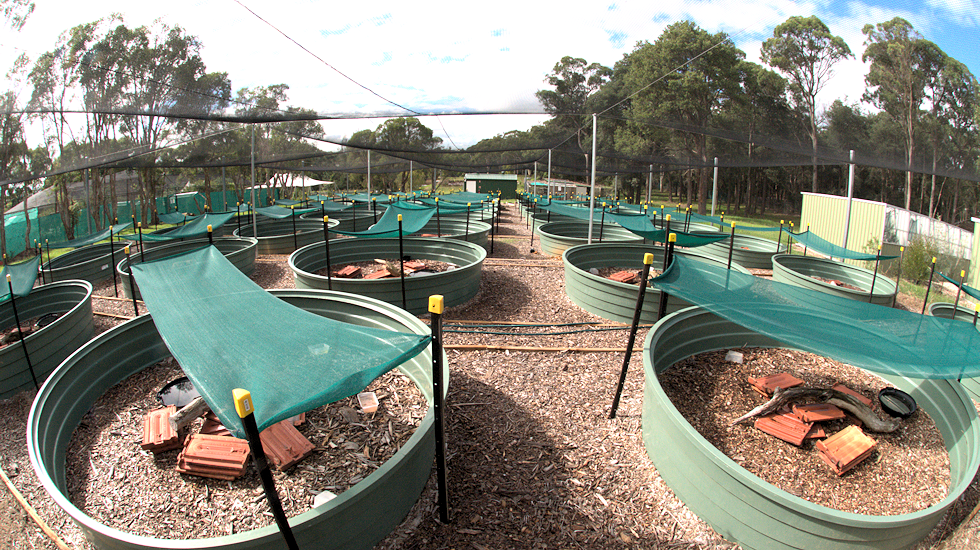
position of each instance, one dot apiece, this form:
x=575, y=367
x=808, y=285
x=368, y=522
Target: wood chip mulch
x=534, y=460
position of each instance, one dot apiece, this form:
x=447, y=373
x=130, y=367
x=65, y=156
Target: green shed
x=505, y=184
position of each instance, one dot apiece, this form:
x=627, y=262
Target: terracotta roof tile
x=348, y=272
x=379, y=274
x=846, y=449
x=768, y=384
x=787, y=427
x=624, y=276
x=158, y=436
x=214, y=456
x=284, y=446
x=818, y=412
x=844, y=389
x=213, y=426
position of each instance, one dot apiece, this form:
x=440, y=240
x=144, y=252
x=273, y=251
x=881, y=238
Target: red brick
x=784, y=426
x=846, y=449
x=627, y=277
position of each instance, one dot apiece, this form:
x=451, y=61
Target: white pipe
x=592, y=190
x=850, y=198
x=714, y=191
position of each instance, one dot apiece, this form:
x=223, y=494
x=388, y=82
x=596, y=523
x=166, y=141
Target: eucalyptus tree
x=404, y=135
x=682, y=81
x=16, y=12
x=575, y=82
x=903, y=68
x=805, y=51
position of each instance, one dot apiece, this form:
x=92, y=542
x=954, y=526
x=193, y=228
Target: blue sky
x=455, y=57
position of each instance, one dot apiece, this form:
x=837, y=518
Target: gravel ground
x=534, y=460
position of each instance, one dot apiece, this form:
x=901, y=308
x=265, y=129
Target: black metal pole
x=466, y=231
x=132, y=283
x=47, y=245
x=40, y=253
x=958, y=290
x=13, y=305
x=671, y=239
x=871, y=294
x=238, y=218
x=493, y=224
x=898, y=281
x=976, y=310
x=112, y=258
x=929, y=286
x=804, y=244
x=139, y=226
x=779, y=239
x=326, y=247
x=731, y=246
x=647, y=261
x=436, y=304
x=243, y=405
x=401, y=258
x=374, y=207
x=666, y=239
x=532, y=231
x=602, y=221
x=292, y=215
x=210, y=236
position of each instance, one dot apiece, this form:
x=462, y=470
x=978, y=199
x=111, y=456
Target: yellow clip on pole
x=243, y=402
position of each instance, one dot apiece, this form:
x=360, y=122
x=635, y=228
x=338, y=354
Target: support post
x=731, y=246
x=850, y=197
x=898, y=280
x=326, y=246
x=714, y=188
x=436, y=305
x=132, y=283
x=243, y=405
x=959, y=289
x=592, y=188
x=23, y=344
x=671, y=239
x=929, y=286
x=530, y=217
x=666, y=243
x=210, y=236
x=637, y=311
x=874, y=277
x=401, y=259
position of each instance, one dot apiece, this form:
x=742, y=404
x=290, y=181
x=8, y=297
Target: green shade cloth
x=198, y=227
x=414, y=218
x=280, y=212
x=93, y=238
x=22, y=278
x=451, y=207
x=173, y=218
x=287, y=202
x=878, y=338
x=719, y=221
x=969, y=290
x=643, y=226
x=464, y=197
x=812, y=241
x=364, y=197
x=331, y=206
x=229, y=333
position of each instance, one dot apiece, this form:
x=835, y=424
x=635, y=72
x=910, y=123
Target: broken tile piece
x=214, y=456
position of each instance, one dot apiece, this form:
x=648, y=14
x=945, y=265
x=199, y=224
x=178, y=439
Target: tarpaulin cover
x=280, y=212
x=93, y=238
x=878, y=338
x=364, y=197
x=812, y=241
x=198, y=227
x=969, y=290
x=414, y=218
x=22, y=278
x=641, y=225
x=288, y=202
x=227, y=333
x=720, y=221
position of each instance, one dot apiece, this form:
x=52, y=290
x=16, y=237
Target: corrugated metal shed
x=826, y=214
x=973, y=279
x=506, y=184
